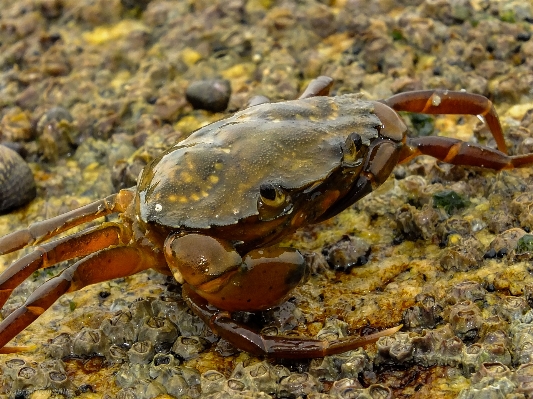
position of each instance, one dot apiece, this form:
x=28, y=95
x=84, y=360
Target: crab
x=210, y=210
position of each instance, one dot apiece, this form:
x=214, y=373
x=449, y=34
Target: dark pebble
x=17, y=186
x=211, y=95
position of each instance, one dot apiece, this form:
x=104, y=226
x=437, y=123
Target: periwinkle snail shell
x=17, y=186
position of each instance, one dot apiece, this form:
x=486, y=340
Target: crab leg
x=450, y=102
x=457, y=152
x=253, y=342
x=51, y=253
x=40, y=231
x=317, y=87
x=107, y=264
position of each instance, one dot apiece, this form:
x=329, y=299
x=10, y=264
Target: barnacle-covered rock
x=117, y=354
x=165, y=370
x=56, y=133
x=344, y=365
x=477, y=354
x=29, y=378
x=260, y=377
x=56, y=377
x=415, y=223
x=90, y=342
x=130, y=374
x=12, y=367
x=507, y=241
x=298, y=384
x=521, y=333
x=437, y=347
x=119, y=329
x=212, y=382
x=234, y=387
x=141, y=352
x=188, y=347
x=397, y=348
x=347, y=364
x=141, y=311
x=513, y=307
x=465, y=319
x=523, y=378
x=524, y=248
x=157, y=329
x=467, y=254
x=493, y=380
x=466, y=291
x=60, y=346
x=17, y=186
x=169, y=306
x=454, y=225
x=347, y=252
x=522, y=208
x=143, y=389
x=284, y=317
x=345, y=388
x=426, y=313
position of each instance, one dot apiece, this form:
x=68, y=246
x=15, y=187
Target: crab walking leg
x=244, y=338
x=40, y=231
x=51, y=253
x=101, y=266
x=317, y=87
x=457, y=152
x=450, y=102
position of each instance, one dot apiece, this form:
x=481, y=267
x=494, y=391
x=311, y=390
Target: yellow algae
x=238, y=71
x=104, y=34
x=190, y=56
x=519, y=110
x=120, y=79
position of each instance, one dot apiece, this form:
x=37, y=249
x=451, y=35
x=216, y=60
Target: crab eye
x=351, y=147
x=272, y=195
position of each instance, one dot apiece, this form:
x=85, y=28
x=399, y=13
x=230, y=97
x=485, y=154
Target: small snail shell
x=17, y=186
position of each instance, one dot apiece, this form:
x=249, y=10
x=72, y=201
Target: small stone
x=211, y=95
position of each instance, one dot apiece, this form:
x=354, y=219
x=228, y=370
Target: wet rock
x=17, y=186
x=211, y=95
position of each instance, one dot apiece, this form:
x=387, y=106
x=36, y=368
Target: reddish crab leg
x=253, y=342
x=457, y=152
x=40, y=231
x=101, y=266
x=450, y=102
x=51, y=253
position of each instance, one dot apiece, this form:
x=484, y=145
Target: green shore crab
x=210, y=210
